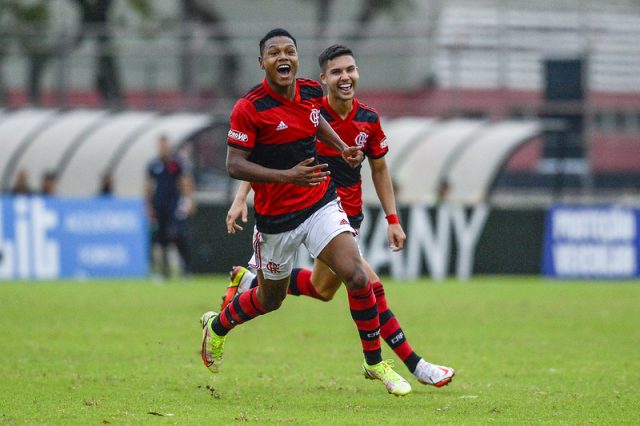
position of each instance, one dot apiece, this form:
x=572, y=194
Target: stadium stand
x=466, y=59
x=502, y=44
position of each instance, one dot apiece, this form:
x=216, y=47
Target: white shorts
x=275, y=254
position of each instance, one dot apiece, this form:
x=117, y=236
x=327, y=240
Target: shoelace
x=387, y=366
x=390, y=363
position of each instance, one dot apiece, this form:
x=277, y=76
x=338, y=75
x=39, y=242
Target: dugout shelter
x=81, y=145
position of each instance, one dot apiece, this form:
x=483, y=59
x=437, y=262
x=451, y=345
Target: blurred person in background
x=106, y=184
x=49, y=183
x=169, y=196
x=442, y=194
x=21, y=184
x=359, y=125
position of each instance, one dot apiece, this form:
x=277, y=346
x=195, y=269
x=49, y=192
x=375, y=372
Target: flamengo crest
x=315, y=117
x=361, y=139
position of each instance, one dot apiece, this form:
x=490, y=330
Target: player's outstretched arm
x=238, y=209
x=384, y=188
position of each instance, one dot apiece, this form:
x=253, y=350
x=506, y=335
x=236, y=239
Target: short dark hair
x=276, y=32
x=333, y=52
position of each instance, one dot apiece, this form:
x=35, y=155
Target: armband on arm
x=393, y=219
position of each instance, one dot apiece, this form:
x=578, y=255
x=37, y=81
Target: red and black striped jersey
x=280, y=133
x=360, y=128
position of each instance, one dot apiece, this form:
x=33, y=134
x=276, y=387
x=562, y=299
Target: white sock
x=245, y=282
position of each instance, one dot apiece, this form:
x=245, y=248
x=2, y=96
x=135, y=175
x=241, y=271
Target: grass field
x=526, y=351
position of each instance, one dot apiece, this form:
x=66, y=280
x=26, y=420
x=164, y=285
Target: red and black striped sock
x=364, y=312
x=243, y=308
x=391, y=332
x=254, y=281
x=301, y=284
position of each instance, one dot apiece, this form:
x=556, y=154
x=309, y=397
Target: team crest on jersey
x=237, y=135
x=315, y=117
x=361, y=139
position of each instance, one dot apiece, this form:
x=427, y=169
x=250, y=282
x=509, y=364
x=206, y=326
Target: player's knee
x=356, y=279
x=271, y=300
x=326, y=295
x=272, y=303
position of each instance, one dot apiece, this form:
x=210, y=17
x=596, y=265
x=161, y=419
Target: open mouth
x=345, y=87
x=284, y=70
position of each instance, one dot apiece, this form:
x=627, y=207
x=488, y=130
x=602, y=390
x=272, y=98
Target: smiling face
x=340, y=75
x=279, y=60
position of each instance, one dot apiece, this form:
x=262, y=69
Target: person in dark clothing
x=106, y=185
x=49, y=183
x=169, y=191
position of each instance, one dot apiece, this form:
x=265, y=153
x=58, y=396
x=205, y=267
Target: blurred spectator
x=169, y=191
x=443, y=191
x=49, y=183
x=106, y=184
x=21, y=185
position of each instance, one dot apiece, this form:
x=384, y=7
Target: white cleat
x=432, y=374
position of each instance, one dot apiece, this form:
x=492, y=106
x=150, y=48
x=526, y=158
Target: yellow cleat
x=384, y=372
x=235, y=277
x=212, y=344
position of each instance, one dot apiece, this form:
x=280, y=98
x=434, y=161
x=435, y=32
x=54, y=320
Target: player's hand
x=353, y=156
x=304, y=174
x=238, y=210
x=396, y=237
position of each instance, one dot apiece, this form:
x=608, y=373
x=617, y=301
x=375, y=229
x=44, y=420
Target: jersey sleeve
x=377, y=143
x=242, y=131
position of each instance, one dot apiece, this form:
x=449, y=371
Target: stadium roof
x=465, y=154
x=81, y=145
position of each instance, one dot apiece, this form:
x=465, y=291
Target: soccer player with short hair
x=272, y=144
x=358, y=125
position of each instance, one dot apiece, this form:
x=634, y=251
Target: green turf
x=526, y=351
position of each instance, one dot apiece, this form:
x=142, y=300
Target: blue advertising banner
x=50, y=237
x=592, y=242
